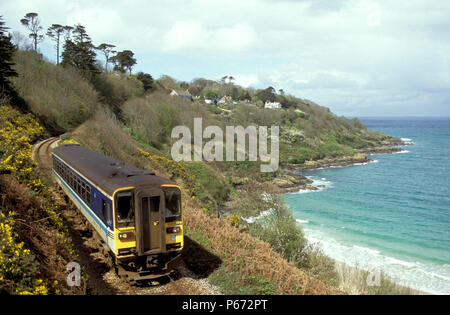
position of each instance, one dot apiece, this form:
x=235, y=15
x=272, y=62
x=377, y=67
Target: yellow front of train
x=148, y=223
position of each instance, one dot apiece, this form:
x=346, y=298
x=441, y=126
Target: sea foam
x=426, y=277
x=407, y=140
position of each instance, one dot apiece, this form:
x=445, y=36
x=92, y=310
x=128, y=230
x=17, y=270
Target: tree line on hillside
x=74, y=47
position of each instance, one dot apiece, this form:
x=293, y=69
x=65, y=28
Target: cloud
x=190, y=35
x=247, y=80
x=346, y=54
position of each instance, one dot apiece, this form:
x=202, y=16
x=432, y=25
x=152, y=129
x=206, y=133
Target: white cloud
x=246, y=80
x=189, y=35
x=357, y=52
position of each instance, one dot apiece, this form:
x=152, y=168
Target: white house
x=273, y=105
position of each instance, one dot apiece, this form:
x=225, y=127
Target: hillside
x=114, y=115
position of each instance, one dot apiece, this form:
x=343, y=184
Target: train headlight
x=173, y=229
x=126, y=236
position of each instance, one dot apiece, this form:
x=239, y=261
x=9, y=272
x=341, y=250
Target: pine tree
x=6, y=53
x=33, y=24
x=80, y=53
x=54, y=32
x=124, y=61
x=106, y=49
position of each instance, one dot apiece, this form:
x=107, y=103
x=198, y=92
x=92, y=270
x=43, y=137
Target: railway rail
x=168, y=284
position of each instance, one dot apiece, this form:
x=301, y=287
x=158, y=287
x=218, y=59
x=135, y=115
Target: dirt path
x=96, y=263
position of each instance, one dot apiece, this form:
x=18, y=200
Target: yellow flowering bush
x=67, y=141
x=17, y=131
x=18, y=266
x=235, y=220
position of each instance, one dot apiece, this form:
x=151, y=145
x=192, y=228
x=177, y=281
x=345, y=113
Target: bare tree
x=54, y=32
x=33, y=24
x=20, y=40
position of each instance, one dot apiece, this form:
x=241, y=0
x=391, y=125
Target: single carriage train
x=136, y=213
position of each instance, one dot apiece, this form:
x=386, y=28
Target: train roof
x=106, y=172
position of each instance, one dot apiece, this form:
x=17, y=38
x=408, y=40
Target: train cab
x=136, y=213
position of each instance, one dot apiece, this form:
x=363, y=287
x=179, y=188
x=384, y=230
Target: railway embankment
x=36, y=246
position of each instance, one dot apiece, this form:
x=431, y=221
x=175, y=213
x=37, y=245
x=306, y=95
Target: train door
x=149, y=221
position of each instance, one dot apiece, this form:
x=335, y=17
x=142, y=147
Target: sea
x=392, y=215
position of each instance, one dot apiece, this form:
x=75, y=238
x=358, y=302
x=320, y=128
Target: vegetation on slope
x=131, y=117
x=34, y=241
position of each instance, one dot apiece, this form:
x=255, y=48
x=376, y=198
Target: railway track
x=165, y=285
x=42, y=153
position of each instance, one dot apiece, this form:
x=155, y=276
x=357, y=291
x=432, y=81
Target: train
x=137, y=214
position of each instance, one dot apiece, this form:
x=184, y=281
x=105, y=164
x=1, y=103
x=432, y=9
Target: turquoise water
x=392, y=214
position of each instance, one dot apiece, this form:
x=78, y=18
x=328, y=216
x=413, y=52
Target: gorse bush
x=18, y=266
x=19, y=270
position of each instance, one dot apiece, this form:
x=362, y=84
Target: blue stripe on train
x=92, y=214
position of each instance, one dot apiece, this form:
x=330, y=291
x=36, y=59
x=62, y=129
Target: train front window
x=125, y=209
x=173, y=204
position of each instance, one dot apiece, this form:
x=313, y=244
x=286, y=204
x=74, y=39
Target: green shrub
x=60, y=96
x=281, y=231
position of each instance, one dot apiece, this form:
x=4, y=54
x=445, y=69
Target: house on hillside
x=272, y=105
x=210, y=101
x=184, y=94
x=225, y=100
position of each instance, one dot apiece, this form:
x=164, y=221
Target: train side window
x=124, y=209
x=108, y=215
x=88, y=194
x=103, y=210
x=83, y=190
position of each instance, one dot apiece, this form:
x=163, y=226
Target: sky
x=357, y=57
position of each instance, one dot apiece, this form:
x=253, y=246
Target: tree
x=244, y=95
x=20, y=41
x=124, y=61
x=80, y=53
x=223, y=79
x=267, y=95
x=146, y=79
x=54, y=32
x=210, y=94
x=67, y=32
x=6, y=53
x=33, y=24
x=106, y=49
